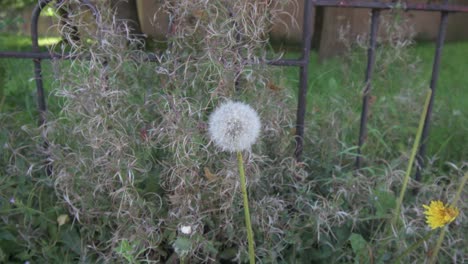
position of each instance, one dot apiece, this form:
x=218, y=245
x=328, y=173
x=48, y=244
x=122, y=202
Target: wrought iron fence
x=445, y=9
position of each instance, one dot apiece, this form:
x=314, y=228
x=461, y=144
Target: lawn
x=397, y=98
x=18, y=88
x=132, y=164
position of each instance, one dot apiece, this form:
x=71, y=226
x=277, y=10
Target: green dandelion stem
x=412, y=158
x=442, y=233
x=435, y=252
x=250, y=239
x=460, y=189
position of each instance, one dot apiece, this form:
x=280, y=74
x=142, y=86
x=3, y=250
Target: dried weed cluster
x=133, y=162
x=130, y=150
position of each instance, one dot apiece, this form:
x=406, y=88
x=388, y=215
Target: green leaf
x=124, y=248
x=24, y=255
x=228, y=253
x=6, y=235
x=182, y=246
x=71, y=239
x=383, y=201
x=342, y=233
x=358, y=243
x=324, y=252
x=9, y=244
x=2, y=256
x=359, y=246
x=211, y=248
x=332, y=83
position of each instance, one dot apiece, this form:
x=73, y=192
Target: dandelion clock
x=234, y=127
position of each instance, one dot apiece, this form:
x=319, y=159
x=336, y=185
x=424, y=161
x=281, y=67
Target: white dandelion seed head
x=234, y=126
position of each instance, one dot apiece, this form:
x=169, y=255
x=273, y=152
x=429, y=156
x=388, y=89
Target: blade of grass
x=412, y=158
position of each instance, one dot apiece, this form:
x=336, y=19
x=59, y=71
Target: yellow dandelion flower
x=438, y=214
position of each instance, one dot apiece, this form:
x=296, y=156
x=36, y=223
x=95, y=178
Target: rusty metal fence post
x=303, y=78
x=433, y=85
x=367, y=87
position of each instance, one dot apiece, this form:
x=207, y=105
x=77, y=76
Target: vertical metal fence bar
x=433, y=85
x=41, y=103
x=303, y=78
x=369, y=70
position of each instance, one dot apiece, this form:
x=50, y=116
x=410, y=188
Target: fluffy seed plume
x=234, y=126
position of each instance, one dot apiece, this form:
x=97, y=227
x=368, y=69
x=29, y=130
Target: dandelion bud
x=234, y=126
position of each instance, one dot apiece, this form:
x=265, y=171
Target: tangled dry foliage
x=133, y=163
x=130, y=152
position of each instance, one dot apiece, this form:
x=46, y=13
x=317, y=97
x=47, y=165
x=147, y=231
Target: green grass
x=23, y=43
x=398, y=88
x=323, y=194
x=17, y=84
x=27, y=200
x=451, y=122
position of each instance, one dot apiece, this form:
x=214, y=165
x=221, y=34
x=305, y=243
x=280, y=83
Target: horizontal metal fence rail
x=375, y=7
x=404, y=5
